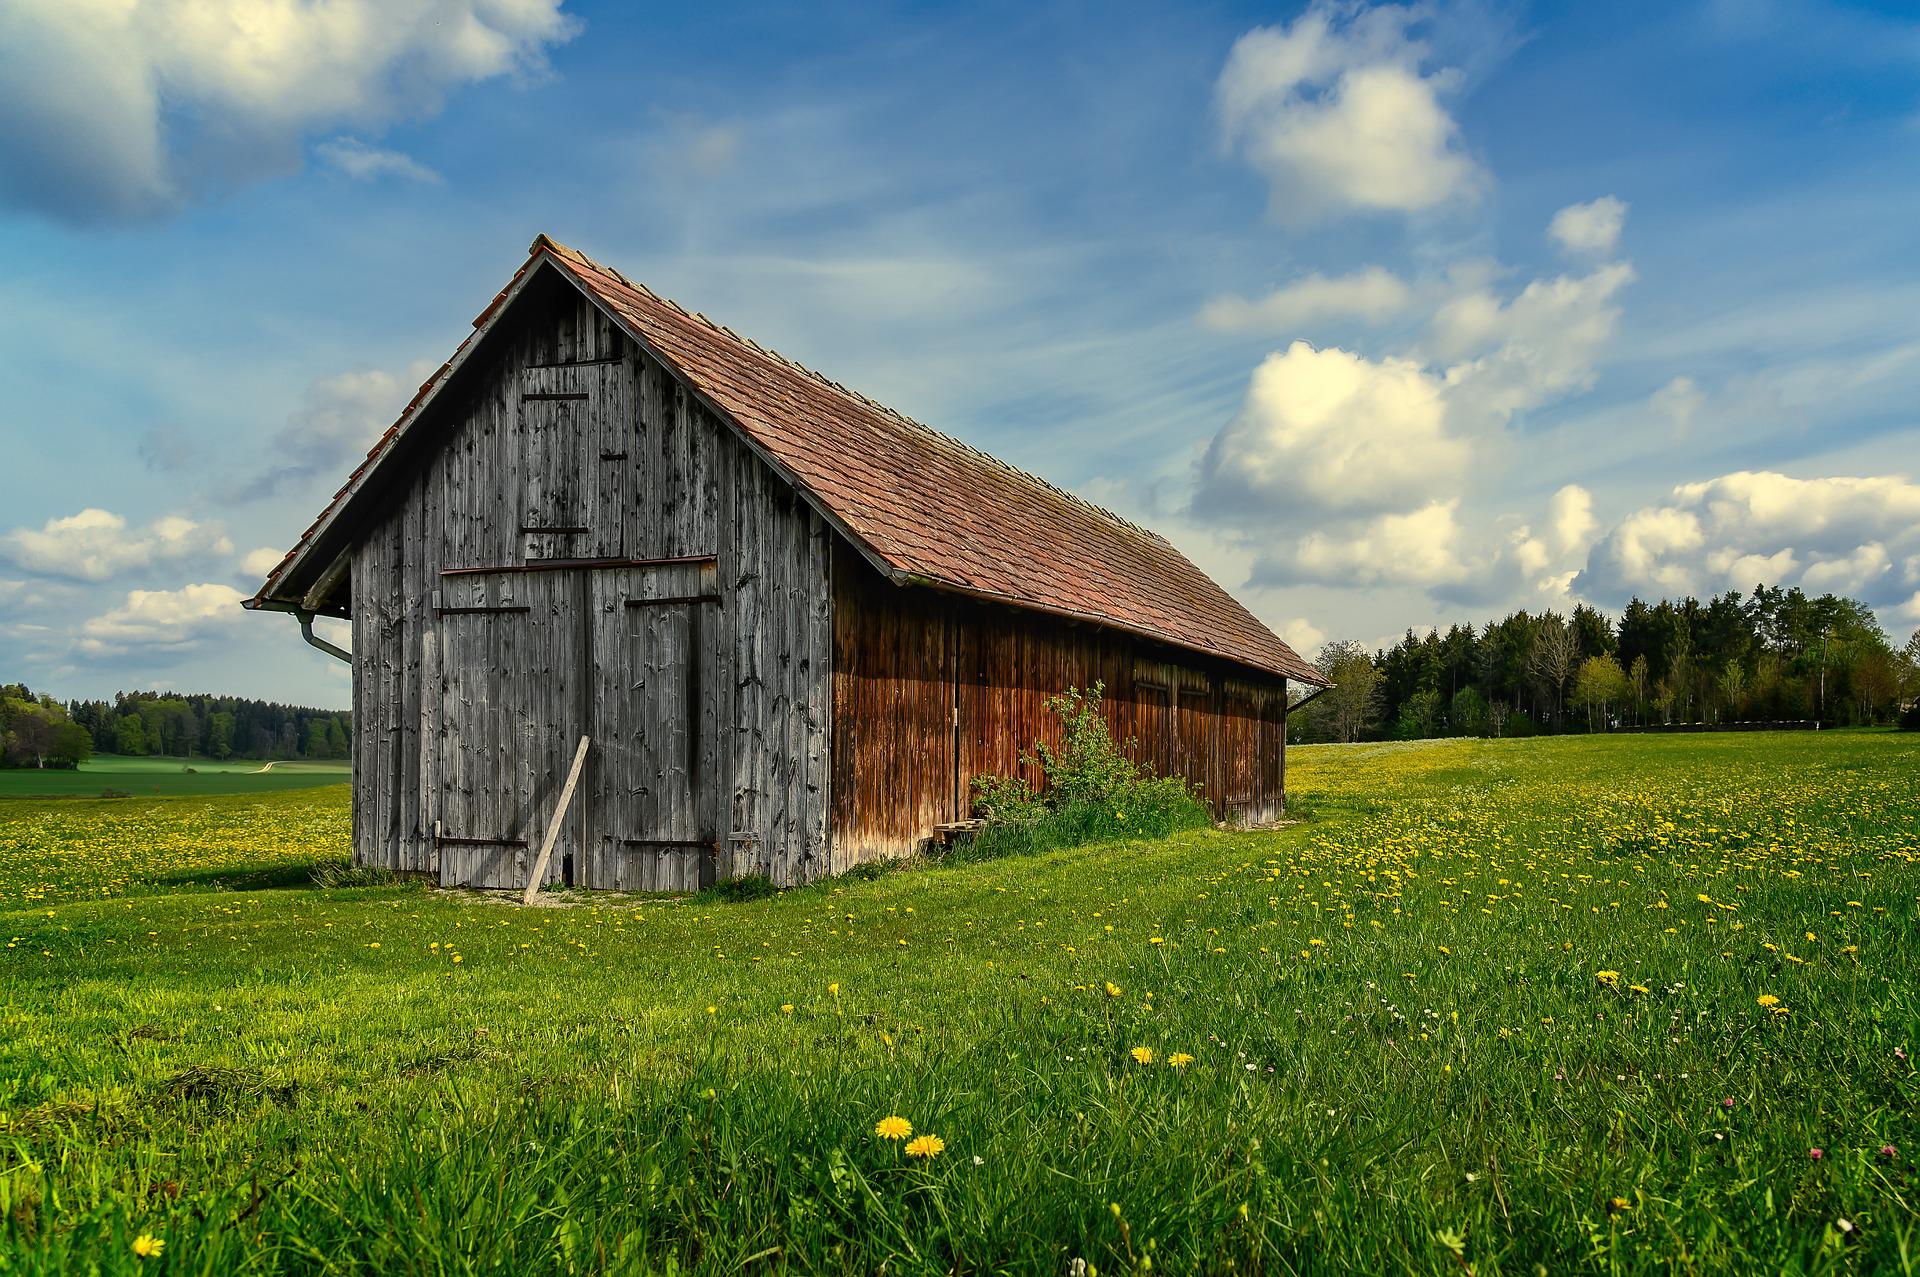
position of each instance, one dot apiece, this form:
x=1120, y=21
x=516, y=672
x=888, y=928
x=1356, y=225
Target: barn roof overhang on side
x=922, y=508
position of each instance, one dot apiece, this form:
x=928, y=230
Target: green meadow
x=147, y=777
x=1602, y=1004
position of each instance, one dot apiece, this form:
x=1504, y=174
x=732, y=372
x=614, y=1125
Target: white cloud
x=95, y=544
x=1592, y=228
x=1332, y=431
x=365, y=163
x=1328, y=430
x=1302, y=635
x=1421, y=547
x=162, y=620
x=1679, y=402
x=1535, y=348
x=1336, y=112
x=1850, y=574
x=1372, y=294
x=255, y=564
x=1840, y=534
x=338, y=419
x=1570, y=527
x=113, y=110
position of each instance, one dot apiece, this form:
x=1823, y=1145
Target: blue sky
x=1388, y=316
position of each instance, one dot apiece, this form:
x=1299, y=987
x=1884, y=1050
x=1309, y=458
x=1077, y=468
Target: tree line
x=1775, y=655
x=38, y=731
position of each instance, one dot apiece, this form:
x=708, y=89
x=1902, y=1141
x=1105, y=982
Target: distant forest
x=1775, y=655
x=38, y=731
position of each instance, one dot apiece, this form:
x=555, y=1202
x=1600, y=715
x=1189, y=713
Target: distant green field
x=144, y=777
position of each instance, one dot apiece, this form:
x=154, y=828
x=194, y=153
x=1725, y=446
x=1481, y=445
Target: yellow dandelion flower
x=834, y=989
x=926, y=1146
x=1113, y=990
x=1767, y=1000
x=893, y=1128
x=1142, y=1054
x=1608, y=978
x=147, y=1246
x=1179, y=1060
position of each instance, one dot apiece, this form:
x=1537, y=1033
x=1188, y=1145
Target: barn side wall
x=663, y=478
x=930, y=690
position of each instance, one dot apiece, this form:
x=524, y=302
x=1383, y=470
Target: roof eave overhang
x=283, y=588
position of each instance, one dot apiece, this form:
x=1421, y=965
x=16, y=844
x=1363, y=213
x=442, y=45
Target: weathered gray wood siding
x=562, y=441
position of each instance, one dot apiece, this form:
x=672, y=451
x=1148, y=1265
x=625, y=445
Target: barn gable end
x=586, y=550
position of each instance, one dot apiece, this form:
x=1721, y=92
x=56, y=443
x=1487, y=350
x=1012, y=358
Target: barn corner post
x=787, y=625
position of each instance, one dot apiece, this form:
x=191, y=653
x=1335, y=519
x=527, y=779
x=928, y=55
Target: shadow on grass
x=248, y=877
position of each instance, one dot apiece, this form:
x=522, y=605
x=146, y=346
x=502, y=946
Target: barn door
x=509, y=719
x=575, y=473
x=656, y=680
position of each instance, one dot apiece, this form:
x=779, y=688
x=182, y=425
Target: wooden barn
x=791, y=623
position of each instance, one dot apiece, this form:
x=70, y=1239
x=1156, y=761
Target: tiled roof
x=930, y=508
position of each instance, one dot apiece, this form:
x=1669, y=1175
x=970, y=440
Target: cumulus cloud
x=162, y=620
x=1337, y=111
x=1331, y=431
x=337, y=420
x=1530, y=350
x=1421, y=547
x=1336, y=432
x=365, y=163
x=1591, y=228
x=1372, y=294
x=113, y=111
x=255, y=564
x=1841, y=534
x=96, y=545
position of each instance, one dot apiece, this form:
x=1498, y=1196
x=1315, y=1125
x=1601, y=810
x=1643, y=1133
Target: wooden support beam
x=318, y=599
x=553, y=826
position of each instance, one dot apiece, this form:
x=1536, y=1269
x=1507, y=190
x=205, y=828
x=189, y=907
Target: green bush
x=1092, y=792
x=734, y=890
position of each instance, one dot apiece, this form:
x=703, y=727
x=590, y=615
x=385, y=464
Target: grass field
x=1579, y=1005
x=146, y=777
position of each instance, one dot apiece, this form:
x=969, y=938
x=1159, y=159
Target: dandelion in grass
x=1767, y=1000
x=1609, y=978
x=1179, y=1060
x=1113, y=990
x=893, y=1128
x=147, y=1246
x=926, y=1146
x=1142, y=1055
